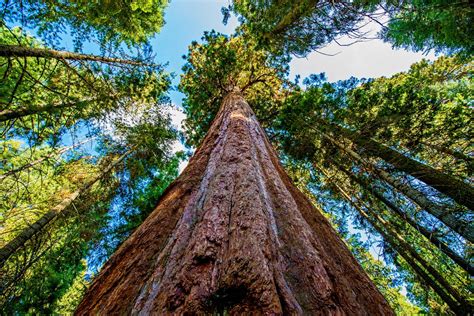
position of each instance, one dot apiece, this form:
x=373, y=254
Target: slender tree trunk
x=456, y=189
x=8, y=114
x=22, y=51
x=463, y=263
x=40, y=160
x=445, y=215
x=432, y=277
x=448, y=151
x=24, y=236
x=232, y=235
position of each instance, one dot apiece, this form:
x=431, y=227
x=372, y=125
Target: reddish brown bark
x=233, y=234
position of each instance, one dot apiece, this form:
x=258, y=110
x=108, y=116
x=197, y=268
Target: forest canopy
x=90, y=154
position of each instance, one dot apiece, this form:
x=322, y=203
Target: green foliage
x=132, y=22
x=66, y=305
x=123, y=106
x=401, y=273
x=145, y=194
x=46, y=96
x=222, y=64
x=298, y=27
x=429, y=105
x=45, y=101
x=40, y=274
x=56, y=255
x=439, y=25
x=29, y=195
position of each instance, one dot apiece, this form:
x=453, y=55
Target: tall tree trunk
x=463, y=263
x=46, y=157
x=448, y=151
x=25, y=235
x=232, y=235
x=22, y=51
x=456, y=189
x=429, y=274
x=445, y=215
x=8, y=114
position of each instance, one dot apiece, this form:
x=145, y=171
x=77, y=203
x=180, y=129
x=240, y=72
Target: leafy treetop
x=299, y=27
x=223, y=64
x=131, y=21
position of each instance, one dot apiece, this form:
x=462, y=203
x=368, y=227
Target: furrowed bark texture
x=233, y=235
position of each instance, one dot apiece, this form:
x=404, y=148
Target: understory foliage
x=424, y=114
x=80, y=136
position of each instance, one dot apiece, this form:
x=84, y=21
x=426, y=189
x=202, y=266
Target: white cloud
x=177, y=117
x=368, y=59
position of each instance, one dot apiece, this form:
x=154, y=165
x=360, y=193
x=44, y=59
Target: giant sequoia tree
x=254, y=223
x=232, y=234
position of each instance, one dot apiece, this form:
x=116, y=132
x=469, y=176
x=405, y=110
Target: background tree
x=299, y=27
x=150, y=138
x=439, y=25
x=42, y=97
x=50, y=99
x=131, y=22
x=313, y=127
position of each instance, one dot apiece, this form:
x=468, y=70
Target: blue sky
x=186, y=20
